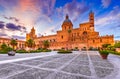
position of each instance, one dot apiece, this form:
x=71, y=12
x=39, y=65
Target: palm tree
x=13, y=42
x=69, y=40
x=46, y=44
x=30, y=43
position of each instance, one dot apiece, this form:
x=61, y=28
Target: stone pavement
x=79, y=65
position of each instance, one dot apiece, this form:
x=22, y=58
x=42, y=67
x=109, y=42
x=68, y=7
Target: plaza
x=78, y=65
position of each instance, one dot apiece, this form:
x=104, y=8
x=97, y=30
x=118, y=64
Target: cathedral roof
x=67, y=19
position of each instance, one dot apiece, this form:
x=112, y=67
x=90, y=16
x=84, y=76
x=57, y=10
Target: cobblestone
x=81, y=65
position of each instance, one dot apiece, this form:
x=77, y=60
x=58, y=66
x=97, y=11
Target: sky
x=17, y=17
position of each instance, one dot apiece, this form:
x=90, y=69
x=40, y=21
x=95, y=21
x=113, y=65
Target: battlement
x=106, y=36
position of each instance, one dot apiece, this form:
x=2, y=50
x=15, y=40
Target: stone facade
x=83, y=37
x=20, y=43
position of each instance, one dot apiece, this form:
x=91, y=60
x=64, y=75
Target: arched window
x=62, y=36
x=84, y=33
x=100, y=40
x=93, y=41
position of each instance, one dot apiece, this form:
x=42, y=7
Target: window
x=84, y=33
x=77, y=34
x=93, y=41
x=100, y=40
x=69, y=27
x=62, y=37
x=65, y=27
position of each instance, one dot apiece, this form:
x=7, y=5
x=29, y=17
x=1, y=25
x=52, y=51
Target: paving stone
x=51, y=65
x=84, y=70
x=96, y=58
x=32, y=74
x=11, y=70
x=6, y=65
x=66, y=76
x=79, y=62
x=82, y=57
x=46, y=59
x=103, y=72
x=63, y=61
x=33, y=63
x=103, y=64
x=79, y=66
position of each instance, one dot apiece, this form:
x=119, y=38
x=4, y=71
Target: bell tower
x=31, y=35
x=91, y=20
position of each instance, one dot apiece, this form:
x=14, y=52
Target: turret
x=91, y=20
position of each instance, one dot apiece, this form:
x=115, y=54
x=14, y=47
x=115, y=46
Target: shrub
x=21, y=51
x=35, y=51
x=117, y=45
x=64, y=51
x=5, y=49
x=105, y=52
x=3, y=52
x=46, y=50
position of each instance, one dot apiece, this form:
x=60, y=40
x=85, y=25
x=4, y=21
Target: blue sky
x=17, y=17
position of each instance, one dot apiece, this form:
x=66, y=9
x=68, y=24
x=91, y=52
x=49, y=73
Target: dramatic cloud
x=12, y=18
x=74, y=9
x=14, y=27
x=1, y=25
x=18, y=37
x=1, y=22
x=111, y=18
x=105, y=3
x=2, y=34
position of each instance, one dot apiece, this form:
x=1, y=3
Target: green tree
x=5, y=49
x=105, y=46
x=30, y=43
x=14, y=43
x=3, y=46
x=117, y=45
x=46, y=44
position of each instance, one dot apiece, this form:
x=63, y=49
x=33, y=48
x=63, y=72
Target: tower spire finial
x=67, y=17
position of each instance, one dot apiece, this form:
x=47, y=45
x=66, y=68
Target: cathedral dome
x=67, y=19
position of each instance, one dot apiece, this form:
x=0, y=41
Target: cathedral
x=69, y=38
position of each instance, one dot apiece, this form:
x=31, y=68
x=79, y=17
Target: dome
x=67, y=19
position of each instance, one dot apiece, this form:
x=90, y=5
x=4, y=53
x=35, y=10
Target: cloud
x=1, y=25
x=105, y=3
x=1, y=22
x=14, y=27
x=115, y=11
x=2, y=34
x=111, y=18
x=18, y=37
x=12, y=18
x=73, y=9
x=117, y=37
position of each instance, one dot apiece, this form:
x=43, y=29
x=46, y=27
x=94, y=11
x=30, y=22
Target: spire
x=67, y=17
x=33, y=28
